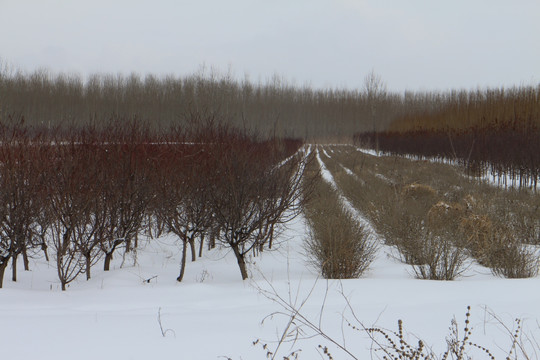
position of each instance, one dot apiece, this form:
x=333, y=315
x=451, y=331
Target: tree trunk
x=193, y=251
x=201, y=245
x=44, y=248
x=109, y=255
x=3, y=266
x=212, y=242
x=241, y=262
x=60, y=271
x=14, y=267
x=88, y=265
x=271, y=237
x=136, y=241
x=182, y=262
x=108, y=258
x=25, y=260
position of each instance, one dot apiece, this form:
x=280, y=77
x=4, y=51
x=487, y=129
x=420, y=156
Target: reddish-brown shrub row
x=86, y=193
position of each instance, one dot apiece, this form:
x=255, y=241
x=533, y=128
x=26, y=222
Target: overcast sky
x=411, y=44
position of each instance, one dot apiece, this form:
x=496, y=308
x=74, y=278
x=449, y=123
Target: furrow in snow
x=326, y=154
x=329, y=178
x=350, y=173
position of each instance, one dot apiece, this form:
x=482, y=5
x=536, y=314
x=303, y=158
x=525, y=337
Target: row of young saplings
x=436, y=236
x=493, y=132
x=337, y=245
x=339, y=248
x=80, y=196
x=484, y=152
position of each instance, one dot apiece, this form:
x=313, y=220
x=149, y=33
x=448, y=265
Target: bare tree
x=375, y=91
x=253, y=195
x=70, y=201
x=127, y=190
x=184, y=200
x=20, y=194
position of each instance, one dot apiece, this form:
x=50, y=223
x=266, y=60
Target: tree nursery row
x=78, y=197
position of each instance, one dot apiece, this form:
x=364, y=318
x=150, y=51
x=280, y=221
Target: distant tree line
x=272, y=108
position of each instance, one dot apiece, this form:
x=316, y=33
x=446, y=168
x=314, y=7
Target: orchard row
x=80, y=196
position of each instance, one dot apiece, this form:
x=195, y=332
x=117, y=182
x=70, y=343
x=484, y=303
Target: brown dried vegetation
x=435, y=217
x=337, y=245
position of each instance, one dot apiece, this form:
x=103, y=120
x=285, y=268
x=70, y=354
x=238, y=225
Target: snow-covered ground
x=213, y=314
x=491, y=177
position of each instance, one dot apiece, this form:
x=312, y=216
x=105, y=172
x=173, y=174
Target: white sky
x=412, y=44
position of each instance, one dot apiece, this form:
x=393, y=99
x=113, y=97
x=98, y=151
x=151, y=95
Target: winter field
x=138, y=310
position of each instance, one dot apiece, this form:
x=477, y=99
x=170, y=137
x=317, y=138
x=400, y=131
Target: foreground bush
x=388, y=344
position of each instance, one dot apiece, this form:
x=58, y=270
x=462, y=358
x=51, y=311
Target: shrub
x=438, y=258
x=425, y=234
x=419, y=192
x=509, y=258
x=478, y=232
x=337, y=244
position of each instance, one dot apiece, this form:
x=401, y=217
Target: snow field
x=212, y=314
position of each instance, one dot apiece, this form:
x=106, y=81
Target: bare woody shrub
x=439, y=258
x=478, y=231
x=522, y=216
x=425, y=233
x=437, y=252
x=509, y=258
x=405, y=231
x=337, y=245
x=498, y=247
x=399, y=215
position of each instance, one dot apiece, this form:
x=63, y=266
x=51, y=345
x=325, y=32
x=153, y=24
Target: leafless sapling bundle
x=337, y=246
